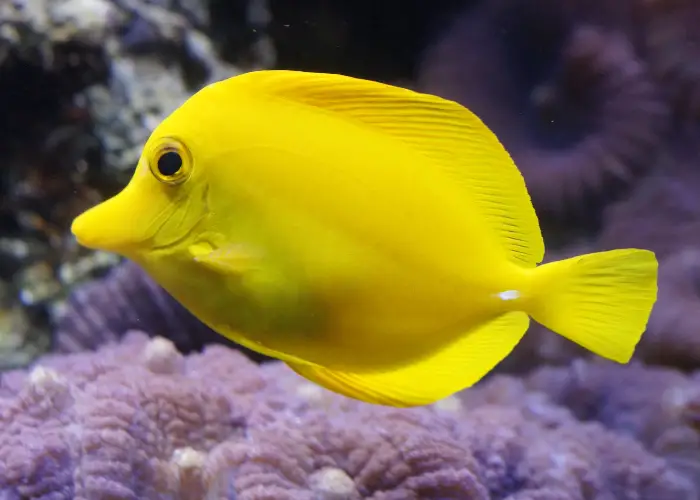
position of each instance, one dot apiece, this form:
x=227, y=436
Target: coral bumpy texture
x=138, y=419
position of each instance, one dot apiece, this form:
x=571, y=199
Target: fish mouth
x=111, y=225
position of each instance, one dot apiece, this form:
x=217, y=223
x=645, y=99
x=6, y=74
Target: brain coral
x=138, y=419
x=571, y=101
x=128, y=299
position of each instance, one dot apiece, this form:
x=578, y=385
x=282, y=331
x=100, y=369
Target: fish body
x=379, y=240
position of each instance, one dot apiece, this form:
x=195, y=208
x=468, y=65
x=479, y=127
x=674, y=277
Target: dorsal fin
x=448, y=133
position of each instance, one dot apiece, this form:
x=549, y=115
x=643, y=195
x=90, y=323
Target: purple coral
x=128, y=299
x=657, y=406
x=673, y=47
x=672, y=334
x=573, y=103
x=663, y=213
x=139, y=420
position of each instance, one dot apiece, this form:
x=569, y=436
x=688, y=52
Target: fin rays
x=455, y=367
x=452, y=136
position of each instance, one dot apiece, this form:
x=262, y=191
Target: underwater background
x=112, y=390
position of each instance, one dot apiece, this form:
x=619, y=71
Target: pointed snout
x=115, y=225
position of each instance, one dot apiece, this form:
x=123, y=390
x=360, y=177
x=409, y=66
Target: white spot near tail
x=509, y=295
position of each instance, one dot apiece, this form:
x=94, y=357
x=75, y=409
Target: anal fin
x=457, y=366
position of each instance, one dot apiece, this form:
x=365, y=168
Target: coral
x=139, y=420
x=572, y=102
x=16, y=349
x=672, y=333
x=82, y=83
x=128, y=299
x=663, y=213
x=673, y=50
x=657, y=406
x=46, y=143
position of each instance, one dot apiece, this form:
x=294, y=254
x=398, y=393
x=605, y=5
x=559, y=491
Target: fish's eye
x=171, y=162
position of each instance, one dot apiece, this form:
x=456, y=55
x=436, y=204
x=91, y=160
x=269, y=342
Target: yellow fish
x=378, y=240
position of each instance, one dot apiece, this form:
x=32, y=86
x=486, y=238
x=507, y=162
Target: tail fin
x=601, y=301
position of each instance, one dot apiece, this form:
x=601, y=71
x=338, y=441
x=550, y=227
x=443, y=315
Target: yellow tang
x=378, y=240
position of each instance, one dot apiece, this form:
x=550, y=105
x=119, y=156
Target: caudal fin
x=601, y=301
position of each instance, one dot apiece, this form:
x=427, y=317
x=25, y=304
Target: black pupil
x=169, y=164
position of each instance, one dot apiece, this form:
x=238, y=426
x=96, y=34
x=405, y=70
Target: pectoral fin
x=229, y=259
x=263, y=282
